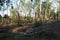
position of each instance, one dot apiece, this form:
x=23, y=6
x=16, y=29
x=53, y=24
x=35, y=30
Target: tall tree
x=46, y=9
x=37, y=9
x=58, y=10
x=0, y=18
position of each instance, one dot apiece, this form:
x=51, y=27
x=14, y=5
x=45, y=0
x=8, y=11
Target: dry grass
x=14, y=30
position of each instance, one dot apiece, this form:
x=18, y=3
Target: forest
x=29, y=19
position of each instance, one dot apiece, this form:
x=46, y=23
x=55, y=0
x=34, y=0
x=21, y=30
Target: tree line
x=34, y=11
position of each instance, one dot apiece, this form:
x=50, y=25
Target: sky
x=13, y=2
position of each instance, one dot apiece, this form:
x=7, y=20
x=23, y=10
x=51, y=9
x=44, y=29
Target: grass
x=43, y=35
x=5, y=37
x=38, y=36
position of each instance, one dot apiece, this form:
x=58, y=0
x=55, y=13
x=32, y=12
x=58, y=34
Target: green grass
x=17, y=38
x=4, y=36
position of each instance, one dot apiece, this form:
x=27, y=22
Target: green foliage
x=0, y=18
x=6, y=16
x=13, y=15
x=46, y=5
x=46, y=11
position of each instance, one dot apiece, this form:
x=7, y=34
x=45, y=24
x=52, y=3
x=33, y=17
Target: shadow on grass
x=53, y=34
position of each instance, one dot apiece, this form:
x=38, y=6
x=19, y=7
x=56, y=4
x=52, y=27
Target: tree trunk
x=57, y=16
x=18, y=18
